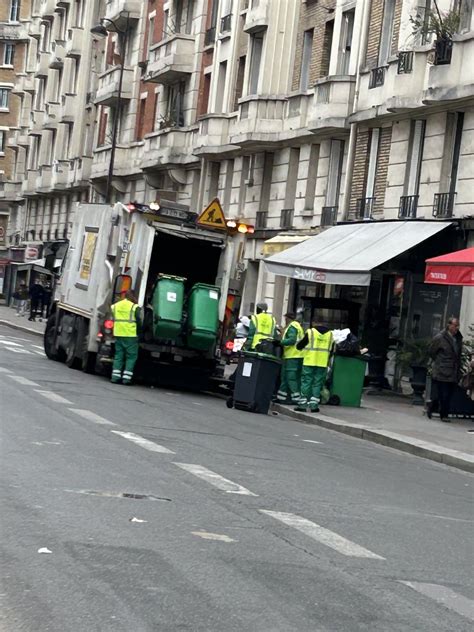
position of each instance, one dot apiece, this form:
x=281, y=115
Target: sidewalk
x=8, y=317
x=394, y=422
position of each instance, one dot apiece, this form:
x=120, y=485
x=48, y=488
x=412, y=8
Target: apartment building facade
x=298, y=115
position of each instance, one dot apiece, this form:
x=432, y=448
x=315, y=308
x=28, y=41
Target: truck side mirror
x=123, y=283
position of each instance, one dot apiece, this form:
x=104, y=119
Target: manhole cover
x=90, y=492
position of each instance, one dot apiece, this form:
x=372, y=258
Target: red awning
x=456, y=268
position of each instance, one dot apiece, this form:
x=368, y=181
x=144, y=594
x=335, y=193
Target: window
x=327, y=48
x=221, y=87
x=266, y=181
x=415, y=156
x=214, y=179
x=2, y=141
x=229, y=178
x=306, y=58
x=312, y=177
x=345, y=43
x=372, y=166
x=452, y=151
x=465, y=11
x=175, y=104
x=4, y=95
x=79, y=13
x=239, y=83
x=387, y=32
x=151, y=33
x=15, y=11
x=334, y=176
x=292, y=178
x=8, y=54
x=256, y=47
x=141, y=118
x=204, y=103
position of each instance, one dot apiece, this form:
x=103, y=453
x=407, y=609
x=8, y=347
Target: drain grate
x=105, y=494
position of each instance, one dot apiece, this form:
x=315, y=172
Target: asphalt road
x=240, y=522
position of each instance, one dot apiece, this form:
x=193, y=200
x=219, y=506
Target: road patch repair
x=128, y=495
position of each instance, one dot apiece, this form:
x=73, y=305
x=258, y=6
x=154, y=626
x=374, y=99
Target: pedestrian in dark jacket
x=445, y=351
x=36, y=297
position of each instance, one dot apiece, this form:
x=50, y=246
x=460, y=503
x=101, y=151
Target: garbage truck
x=179, y=272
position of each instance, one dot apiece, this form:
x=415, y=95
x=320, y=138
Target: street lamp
x=99, y=31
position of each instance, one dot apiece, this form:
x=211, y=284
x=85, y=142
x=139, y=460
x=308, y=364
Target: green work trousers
x=290, y=380
x=126, y=354
x=313, y=379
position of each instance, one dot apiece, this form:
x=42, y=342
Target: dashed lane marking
x=311, y=441
x=54, y=397
x=19, y=350
x=40, y=353
x=143, y=443
x=322, y=535
x=23, y=380
x=215, y=479
x=38, y=347
x=10, y=343
x=445, y=596
x=90, y=416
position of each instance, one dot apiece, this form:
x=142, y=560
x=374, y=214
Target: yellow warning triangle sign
x=213, y=216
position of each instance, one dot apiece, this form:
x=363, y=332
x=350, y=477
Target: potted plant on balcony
x=443, y=25
x=413, y=357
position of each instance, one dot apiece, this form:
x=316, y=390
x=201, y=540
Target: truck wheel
x=72, y=361
x=49, y=341
x=88, y=358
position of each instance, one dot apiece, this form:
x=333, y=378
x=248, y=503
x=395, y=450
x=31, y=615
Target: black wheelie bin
x=255, y=382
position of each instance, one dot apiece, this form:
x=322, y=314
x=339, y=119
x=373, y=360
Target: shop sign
x=31, y=253
x=398, y=285
x=87, y=257
x=3, y=229
x=303, y=274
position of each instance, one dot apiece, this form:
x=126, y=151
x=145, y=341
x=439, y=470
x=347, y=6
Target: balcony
x=101, y=161
x=405, y=62
x=10, y=191
x=28, y=186
x=365, y=207
x=13, y=32
x=74, y=42
x=297, y=112
x=213, y=136
x=52, y=115
x=44, y=179
x=329, y=215
x=443, y=52
x=79, y=172
x=22, y=138
x=37, y=122
x=60, y=173
x=42, y=64
x=120, y=10
x=47, y=9
x=258, y=16
x=286, y=218
x=260, y=122
x=443, y=205
x=332, y=103
x=408, y=207
x=68, y=111
x=108, y=86
x=171, y=59
x=173, y=146
x=35, y=30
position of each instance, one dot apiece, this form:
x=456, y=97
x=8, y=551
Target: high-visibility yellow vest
x=291, y=352
x=318, y=349
x=264, y=327
x=125, y=319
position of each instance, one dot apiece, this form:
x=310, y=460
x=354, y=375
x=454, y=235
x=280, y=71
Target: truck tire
x=87, y=358
x=72, y=361
x=49, y=341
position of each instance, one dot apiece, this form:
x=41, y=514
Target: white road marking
x=54, y=397
x=38, y=347
x=41, y=353
x=446, y=597
x=23, y=380
x=311, y=441
x=325, y=536
x=142, y=442
x=19, y=350
x=212, y=536
x=10, y=343
x=215, y=479
x=3, y=370
x=90, y=416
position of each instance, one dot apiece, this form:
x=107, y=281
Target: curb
x=27, y=330
x=416, y=447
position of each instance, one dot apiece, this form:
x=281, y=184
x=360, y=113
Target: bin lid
x=263, y=356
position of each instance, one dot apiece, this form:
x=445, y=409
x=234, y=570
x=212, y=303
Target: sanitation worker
x=290, y=384
x=126, y=317
x=318, y=345
x=262, y=327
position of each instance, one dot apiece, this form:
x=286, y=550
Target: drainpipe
x=361, y=52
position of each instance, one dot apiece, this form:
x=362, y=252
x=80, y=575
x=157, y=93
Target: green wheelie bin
x=347, y=380
x=203, y=316
x=168, y=301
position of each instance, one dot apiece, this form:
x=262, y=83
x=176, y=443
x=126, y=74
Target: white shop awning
x=346, y=254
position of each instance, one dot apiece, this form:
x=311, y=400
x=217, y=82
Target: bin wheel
x=229, y=402
x=334, y=400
